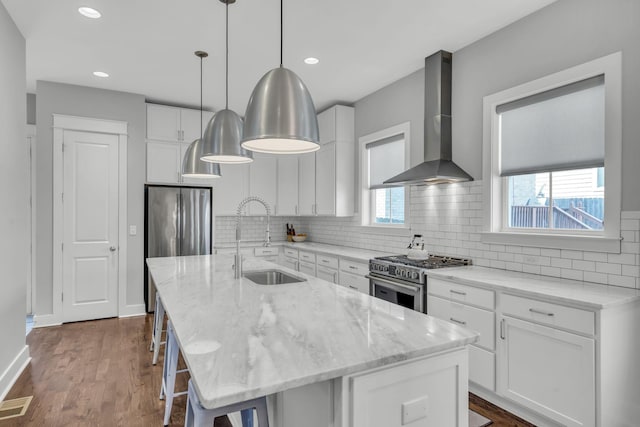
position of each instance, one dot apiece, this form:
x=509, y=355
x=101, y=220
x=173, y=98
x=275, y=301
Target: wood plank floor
x=99, y=373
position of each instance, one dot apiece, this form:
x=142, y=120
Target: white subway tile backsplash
x=451, y=219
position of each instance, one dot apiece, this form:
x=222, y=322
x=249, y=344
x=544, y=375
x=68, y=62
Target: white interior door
x=90, y=235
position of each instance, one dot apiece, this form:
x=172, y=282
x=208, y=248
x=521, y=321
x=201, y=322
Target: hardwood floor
x=99, y=373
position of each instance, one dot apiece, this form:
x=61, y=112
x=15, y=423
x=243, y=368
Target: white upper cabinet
x=287, y=187
x=165, y=123
x=307, y=184
x=336, y=124
x=335, y=162
x=263, y=172
x=170, y=130
x=230, y=189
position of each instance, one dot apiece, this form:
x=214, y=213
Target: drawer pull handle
x=458, y=292
x=353, y=287
x=352, y=267
x=461, y=322
x=544, y=313
x=502, y=329
x=325, y=261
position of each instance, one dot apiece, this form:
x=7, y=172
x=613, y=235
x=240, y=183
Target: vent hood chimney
x=437, y=128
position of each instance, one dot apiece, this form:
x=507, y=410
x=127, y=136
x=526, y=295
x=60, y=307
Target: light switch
x=415, y=410
x=133, y=230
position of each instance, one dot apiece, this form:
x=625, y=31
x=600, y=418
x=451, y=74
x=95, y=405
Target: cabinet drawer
x=293, y=253
x=482, y=367
x=265, y=251
x=307, y=256
x=307, y=268
x=289, y=263
x=354, y=267
x=354, y=281
x=461, y=293
x=561, y=316
x=327, y=261
x=479, y=320
x=328, y=274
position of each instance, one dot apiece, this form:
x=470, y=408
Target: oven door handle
x=412, y=289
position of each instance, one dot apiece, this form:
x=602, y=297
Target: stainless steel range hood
x=437, y=128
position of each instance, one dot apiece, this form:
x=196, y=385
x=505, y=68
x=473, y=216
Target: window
x=384, y=156
x=551, y=145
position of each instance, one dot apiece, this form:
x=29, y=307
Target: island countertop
x=241, y=340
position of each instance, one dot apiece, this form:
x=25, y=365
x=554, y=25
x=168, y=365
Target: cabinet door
x=307, y=184
x=326, y=180
x=190, y=123
x=307, y=268
x=163, y=123
x=309, y=406
x=548, y=370
x=354, y=281
x=327, y=125
x=287, y=186
x=263, y=173
x=162, y=162
x=328, y=274
x=289, y=262
x=230, y=189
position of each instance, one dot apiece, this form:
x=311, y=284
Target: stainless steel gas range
x=402, y=281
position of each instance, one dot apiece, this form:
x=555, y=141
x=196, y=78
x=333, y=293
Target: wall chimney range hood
x=437, y=128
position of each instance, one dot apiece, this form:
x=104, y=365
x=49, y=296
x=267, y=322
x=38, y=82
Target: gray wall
x=97, y=103
x=564, y=34
x=14, y=215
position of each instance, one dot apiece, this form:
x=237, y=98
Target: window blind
x=386, y=160
x=559, y=129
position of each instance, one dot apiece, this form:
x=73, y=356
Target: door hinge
x=62, y=196
x=62, y=245
x=63, y=148
x=62, y=296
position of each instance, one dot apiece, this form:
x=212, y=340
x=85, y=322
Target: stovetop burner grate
x=434, y=261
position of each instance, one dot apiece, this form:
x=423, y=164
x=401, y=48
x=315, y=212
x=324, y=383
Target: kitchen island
x=377, y=364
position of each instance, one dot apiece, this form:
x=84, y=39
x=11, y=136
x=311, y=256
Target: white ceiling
x=147, y=45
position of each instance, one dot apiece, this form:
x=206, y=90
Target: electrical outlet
x=133, y=230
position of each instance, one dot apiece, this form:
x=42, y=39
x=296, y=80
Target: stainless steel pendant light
x=192, y=166
x=224, y=132
x=280, y=116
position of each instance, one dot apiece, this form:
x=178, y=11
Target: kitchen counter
x=241, y=340
x=584, y=294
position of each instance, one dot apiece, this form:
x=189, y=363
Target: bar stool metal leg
x=197, y=416
x=169, y=371
x=156, y=337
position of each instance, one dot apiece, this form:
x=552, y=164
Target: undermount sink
x=271, y=277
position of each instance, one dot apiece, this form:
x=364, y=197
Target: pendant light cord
x=201, y=97
x=226, y=85
x=281, y=31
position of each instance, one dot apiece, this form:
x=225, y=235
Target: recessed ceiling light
x=311, y=60
x=89, y=12
x=100, y=74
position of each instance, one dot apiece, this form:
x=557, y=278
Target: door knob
x=112, y=248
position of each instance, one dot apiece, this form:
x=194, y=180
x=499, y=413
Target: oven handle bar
x=412, y=289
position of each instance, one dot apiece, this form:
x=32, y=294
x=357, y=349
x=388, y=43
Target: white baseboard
x=44, y=320
x=133, y=310
x=13, y=371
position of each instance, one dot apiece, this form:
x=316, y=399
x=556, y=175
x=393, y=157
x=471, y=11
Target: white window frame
x=366, y=199
x=495, y=186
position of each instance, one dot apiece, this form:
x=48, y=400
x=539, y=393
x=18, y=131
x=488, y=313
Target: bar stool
x=156, y=334
x=169, y=372
x=197, y=416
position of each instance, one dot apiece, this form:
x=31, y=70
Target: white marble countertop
x=584, y=294
x=241, y=340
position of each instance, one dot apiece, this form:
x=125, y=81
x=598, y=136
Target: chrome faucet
x=267, y=240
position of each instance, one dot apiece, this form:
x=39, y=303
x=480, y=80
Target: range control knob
x=414, y=275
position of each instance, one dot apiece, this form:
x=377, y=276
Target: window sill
x=578, y=243
x=401, y=230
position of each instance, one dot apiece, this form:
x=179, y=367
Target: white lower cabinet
x=307, y=268
x=309, y=406
x=326, y=273
x=548, y=370
x=551, y=361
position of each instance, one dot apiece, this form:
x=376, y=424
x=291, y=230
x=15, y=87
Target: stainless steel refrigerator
x=177, y=222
